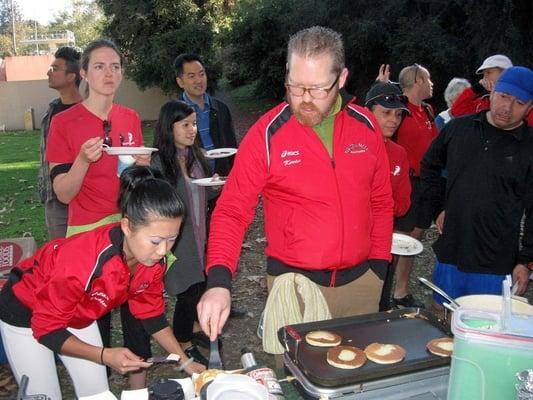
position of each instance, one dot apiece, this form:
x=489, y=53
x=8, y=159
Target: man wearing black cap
x=488, y=190
x=388, y=105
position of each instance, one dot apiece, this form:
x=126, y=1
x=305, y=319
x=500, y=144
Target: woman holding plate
x=83, y=176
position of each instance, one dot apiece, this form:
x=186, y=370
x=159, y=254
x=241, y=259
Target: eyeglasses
x=107, y=130
x=315, y=93
x=387, y=98
x=55, y=68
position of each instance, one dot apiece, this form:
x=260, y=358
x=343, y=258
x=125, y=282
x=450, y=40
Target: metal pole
x=36, y=41
x=13, y=27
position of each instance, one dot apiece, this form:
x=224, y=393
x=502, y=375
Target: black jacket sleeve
x=432, y=166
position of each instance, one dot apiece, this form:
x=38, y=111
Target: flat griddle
x=386, y=327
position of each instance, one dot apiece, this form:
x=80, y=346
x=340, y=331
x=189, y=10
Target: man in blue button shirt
x=215, y=127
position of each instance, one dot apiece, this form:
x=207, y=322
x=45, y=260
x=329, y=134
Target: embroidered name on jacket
x=288, y=157
x=355, y=148
x=101, y=298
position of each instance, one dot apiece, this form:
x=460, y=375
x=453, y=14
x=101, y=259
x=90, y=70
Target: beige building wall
x=17, y=97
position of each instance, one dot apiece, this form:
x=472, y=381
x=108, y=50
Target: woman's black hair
x=145, y=194
x=172, y=112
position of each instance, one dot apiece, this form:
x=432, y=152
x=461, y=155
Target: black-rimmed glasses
x=315, y=93
x=107, y=130
x=388, y=98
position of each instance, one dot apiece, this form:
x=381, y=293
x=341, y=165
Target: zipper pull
x=333, y=163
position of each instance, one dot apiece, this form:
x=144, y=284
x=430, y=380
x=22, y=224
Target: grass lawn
x=20, y=208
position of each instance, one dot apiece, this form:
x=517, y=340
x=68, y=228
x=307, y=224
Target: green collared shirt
x=324, y=130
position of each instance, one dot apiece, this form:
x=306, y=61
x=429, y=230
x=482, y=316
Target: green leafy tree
x=85, y=20
x=7, y=14
x=151, y=33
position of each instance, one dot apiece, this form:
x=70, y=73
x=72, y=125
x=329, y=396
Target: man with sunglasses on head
x=415, y=134
x=319, y=164
x=389, y=106
x=63, y=76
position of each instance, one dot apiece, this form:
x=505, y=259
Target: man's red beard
x=313, y=116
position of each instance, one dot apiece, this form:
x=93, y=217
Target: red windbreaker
x=73, y=282
x=399, y=176
x=469, y=102
x=321, y=212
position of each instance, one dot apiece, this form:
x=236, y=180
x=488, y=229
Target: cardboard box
x=14, y=250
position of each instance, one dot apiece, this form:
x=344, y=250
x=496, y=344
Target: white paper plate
x=128, y=151
x=404, y=245
x=209, y=182
x=220, y=153
x=233, y=387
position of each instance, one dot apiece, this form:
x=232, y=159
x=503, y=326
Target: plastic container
x=485, y=360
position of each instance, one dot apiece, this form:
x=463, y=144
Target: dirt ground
x=249, y=293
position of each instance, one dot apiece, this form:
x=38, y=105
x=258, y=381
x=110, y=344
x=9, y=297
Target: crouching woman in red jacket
x=52, y=299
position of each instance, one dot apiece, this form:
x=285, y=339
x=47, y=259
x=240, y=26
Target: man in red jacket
x=320, y=166
x=476, y=98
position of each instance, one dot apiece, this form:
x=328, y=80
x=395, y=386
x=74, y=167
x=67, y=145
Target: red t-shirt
x=415, y=134
x=399, y=177
x=98, y=194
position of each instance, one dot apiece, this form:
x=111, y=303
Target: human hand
x=487, y=84
x=440, y=222
x=194, y=368
x=143, y=159
x=123, y=360
x=383, y=73
x=213, y=311
x=91, y=150
x=521, y=277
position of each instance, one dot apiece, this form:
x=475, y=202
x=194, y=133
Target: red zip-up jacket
x=399, y=177
x=73, y=282
x=321, y=212
x=470, y=101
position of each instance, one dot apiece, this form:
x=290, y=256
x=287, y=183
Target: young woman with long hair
x=180, y=159
x=83, y=175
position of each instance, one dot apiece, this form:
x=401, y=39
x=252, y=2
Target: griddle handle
x=292, y=332
x=289, y=330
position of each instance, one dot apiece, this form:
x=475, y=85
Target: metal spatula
x=215, y=361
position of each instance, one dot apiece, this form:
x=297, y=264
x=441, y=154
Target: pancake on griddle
x=323, y=338
x=346, y=357
x=385, y=353
x=441, y=346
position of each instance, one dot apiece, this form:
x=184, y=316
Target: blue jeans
x=458, y=283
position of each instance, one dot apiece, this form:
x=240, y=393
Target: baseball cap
x=387, y=95
x=517, y=82
x=496, y=61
